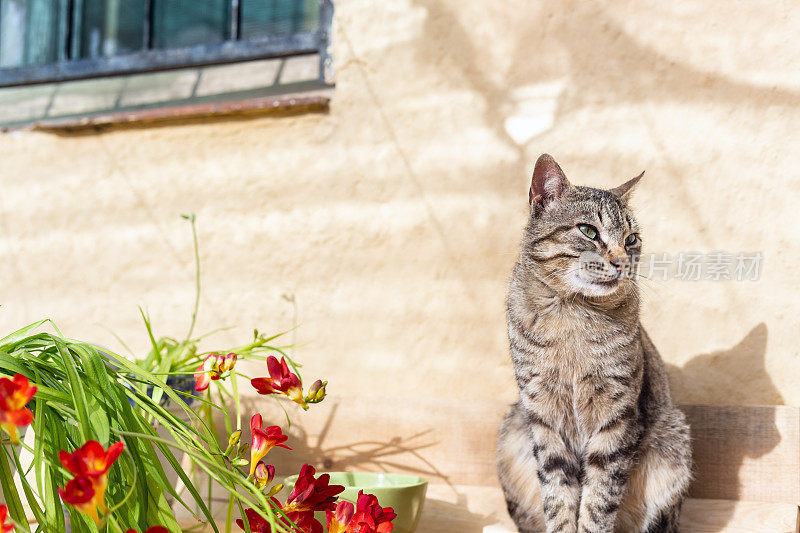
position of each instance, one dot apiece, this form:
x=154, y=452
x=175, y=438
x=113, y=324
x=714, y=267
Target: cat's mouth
x=595, y=275
x=596, y=283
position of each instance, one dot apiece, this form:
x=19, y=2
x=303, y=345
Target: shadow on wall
x=720, y=454
x=374, y=455
x=738, y=371
x=584, y=44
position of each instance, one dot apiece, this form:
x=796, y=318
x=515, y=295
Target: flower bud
x=274, y=490
x=263, y=474
x=316, y=393
x=233, y=441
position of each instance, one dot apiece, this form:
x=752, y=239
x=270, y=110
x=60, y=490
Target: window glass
x=110, y=28
x=180, y=23
x=43, y=41
x=29, y=31
x=264, y=18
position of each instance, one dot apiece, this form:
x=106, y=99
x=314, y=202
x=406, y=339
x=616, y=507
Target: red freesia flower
x=214, y=367
x=80, y=493
x=340, y=518
x=93, y=461
x=305, y=521
x=366, y=517
x=4, y=527
x=370, y=517
x=264, y=439
x=15, y=393
x=258, y=524
x=202, y=379
x=310, y=494
x=281, y=380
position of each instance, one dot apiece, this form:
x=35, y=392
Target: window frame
x=232, y=50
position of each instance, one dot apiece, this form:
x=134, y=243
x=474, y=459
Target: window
x=64, y=62
x=56, y=40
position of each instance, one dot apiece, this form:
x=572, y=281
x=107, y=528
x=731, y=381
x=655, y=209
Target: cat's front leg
x=559, y=472
x=606, y=466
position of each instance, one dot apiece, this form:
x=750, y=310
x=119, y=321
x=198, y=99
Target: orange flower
x=214, y=367
x=280, y=381
x=93, y=462
x=15, y=393
x=264, y=439
x=4, y=527
x=79, y=493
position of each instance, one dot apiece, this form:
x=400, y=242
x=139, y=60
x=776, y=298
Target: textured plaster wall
x=392, y=222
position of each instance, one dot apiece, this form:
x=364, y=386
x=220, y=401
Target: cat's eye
x=631, y=239
x=589, y=231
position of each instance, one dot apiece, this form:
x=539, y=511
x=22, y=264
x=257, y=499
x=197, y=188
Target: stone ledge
x=287, y=84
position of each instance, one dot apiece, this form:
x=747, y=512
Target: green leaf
x=76, y=388
x=13, y=502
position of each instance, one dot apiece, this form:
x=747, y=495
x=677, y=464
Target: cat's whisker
x=563, y=270
x=646, y=290
x=645, y=284
x=535, y=253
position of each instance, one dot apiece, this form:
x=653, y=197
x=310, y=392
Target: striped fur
x=594, y=443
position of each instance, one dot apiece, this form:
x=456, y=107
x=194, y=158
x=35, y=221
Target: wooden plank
x=481, y=509
x=446, y=441
x=469, y=509
x=726, y=516
x=741, y=453
x=745, y=453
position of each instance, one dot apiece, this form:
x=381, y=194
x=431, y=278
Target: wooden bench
x=747, y=459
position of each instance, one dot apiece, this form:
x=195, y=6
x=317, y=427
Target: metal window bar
x=71, y=67
x=149, y=22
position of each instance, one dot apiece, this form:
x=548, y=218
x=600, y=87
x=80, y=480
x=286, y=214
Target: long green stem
x=112, y=526
x=191, y=219
x=229, y=517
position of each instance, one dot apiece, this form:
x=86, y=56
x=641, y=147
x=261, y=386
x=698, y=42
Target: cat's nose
x=620, y=262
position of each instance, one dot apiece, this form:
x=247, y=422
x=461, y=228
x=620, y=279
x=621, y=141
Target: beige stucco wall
x=393, y=220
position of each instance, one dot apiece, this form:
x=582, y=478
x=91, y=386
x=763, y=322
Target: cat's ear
x=548, y=182
x=624, y=191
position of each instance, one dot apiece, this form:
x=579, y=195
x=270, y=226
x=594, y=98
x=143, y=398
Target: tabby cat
x=594, y=443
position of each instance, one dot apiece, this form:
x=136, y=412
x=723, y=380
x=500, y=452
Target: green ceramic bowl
x=405, y=494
